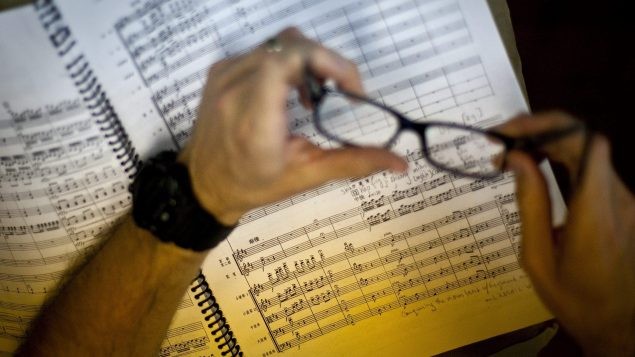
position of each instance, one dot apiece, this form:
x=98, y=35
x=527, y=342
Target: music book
x=392, y=264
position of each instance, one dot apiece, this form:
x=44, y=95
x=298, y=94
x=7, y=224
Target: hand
x=241, y=155
x=585, y=270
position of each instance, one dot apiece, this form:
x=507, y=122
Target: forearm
x=121, y=302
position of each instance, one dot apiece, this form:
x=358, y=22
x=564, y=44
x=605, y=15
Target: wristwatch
x=163, y=202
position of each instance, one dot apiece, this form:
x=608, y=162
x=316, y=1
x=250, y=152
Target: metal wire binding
x=214, y=315
x=89, y=88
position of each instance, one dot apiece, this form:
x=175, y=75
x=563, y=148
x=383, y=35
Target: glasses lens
x=470, y=152
x=356, y=122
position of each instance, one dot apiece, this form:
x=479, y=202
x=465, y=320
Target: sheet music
x=415, y=263
x=61, y=187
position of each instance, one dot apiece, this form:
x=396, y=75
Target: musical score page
x=61, y=186
x=416, y=263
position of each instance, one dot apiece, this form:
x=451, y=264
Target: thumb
x=538, y=253
x=316, y=166
x=354, y=162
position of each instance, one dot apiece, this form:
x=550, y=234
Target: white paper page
x=154, y=69
x=61, y=186
x=416, y=263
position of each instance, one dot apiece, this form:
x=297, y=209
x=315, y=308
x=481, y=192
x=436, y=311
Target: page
x=416, y=263
x=61, y=185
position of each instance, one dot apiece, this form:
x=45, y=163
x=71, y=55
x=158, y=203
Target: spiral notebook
x=417, y=263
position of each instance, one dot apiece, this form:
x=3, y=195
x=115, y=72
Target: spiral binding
x=214, y=315
x=89, y=88
x=100, y=108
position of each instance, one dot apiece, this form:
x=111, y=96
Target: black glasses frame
x=530, y=143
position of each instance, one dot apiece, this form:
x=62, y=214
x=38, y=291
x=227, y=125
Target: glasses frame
x=529, y=143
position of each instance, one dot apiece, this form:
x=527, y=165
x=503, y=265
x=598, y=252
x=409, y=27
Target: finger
x=305, y=95
x=600, y=198
x=305, y=98
x=270, y=74
x=567, y=151
x=618, y=205
x=299, y=52
x=528, y=124
x=318, y=166
x=234, y=69
x=600, y=171
x=230, y=71
x=327, y=64
x=357, y=162
x=538, y=253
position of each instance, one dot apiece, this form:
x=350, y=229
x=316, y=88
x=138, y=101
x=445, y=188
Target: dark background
x=577, y=56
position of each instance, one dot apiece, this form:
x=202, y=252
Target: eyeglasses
x=354, y=120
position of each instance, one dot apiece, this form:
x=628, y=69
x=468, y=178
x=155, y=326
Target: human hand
x=241, y=155
x=585, y=270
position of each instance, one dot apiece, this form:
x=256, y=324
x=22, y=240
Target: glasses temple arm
x=313, y=86
x=532, y=143
x=588, y=138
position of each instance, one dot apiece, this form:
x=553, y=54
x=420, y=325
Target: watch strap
x=165, y=204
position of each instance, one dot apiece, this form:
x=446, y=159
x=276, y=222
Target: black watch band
x=163, y=203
